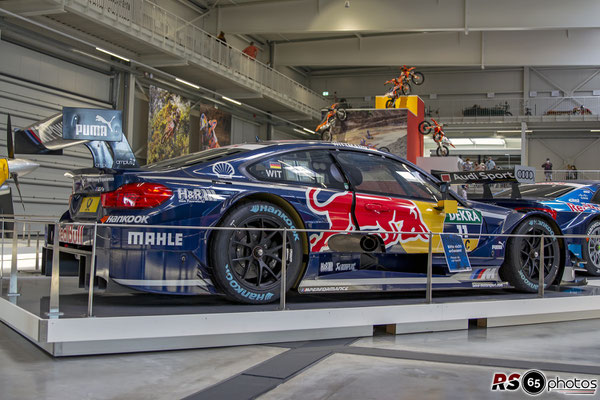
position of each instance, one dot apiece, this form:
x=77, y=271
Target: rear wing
x=98, y=129
x=516, y=175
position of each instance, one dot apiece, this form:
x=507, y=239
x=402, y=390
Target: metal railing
x=580, y=107
x=54, y=306
x=145, y=19
x=565, y=175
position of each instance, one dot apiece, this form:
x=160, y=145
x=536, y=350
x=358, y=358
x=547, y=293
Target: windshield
x=196, y=158
x=537, y=191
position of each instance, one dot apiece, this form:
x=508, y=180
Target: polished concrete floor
x=449, y=365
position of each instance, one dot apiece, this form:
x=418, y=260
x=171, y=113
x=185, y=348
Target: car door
x=325, y=200
x=391, y=196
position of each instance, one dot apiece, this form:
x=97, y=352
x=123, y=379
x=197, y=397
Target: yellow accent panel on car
x=4, y=173
x=434, y=220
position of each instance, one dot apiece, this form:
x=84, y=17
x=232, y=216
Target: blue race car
x=297, y=186
x=574, y=208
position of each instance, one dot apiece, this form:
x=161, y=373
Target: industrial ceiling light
x=231, y=100
x=299, y=131
x=110, y=53
x=308, y=130
x=489, y=141
x=347, y=4
x=461, y=141
x=515, y=131
x=187, y=83
x=594, y=130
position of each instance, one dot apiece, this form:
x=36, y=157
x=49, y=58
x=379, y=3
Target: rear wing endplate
x=98, y=129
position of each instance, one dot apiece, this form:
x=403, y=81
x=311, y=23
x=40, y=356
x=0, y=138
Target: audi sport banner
x=519, y=174
x=92, y=124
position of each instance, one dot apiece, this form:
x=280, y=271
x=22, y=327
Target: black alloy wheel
x=522, y=261
x=247, y=262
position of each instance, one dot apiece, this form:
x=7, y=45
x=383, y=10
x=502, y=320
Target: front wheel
x=390, y=103
x=425, y=128
x=522, y=260
x=442, y=151
x=326, y=135
x=418, y=78
x=508, y=113
x=341, y=114
x=386, y=149
x=406, y=89
x=591, y=250
x=246, y=264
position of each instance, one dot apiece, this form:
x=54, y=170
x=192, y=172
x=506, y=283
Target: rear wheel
x=418, y=78
x=341, y=114
x=246, y=264
x=591, y=250
x=425, y=128
x=442, y=151
x=386, y=149
x=326, y=135
x=522, y=260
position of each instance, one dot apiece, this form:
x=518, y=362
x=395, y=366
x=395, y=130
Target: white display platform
x=104, y=335
x=449, y=163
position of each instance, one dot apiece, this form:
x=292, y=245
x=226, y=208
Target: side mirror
x=448, y=206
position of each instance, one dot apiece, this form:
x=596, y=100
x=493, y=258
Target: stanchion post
x=12, y=288
x=29, y=234
x=283, y=270
x=92, y=272
x=2, y=255
x=541, y=271
x=53, y=311
x=37, y=251
x=428, y=293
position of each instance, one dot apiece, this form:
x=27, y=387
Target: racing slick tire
x=418, y=78
x=424, y=127
x=342, y=114
x=591, y=250
x=246, y=265
x=521, y=262
x=442, y=151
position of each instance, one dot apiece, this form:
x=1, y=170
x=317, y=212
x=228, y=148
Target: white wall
x=34, y=86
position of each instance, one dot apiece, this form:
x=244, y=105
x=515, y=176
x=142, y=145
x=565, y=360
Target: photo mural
x=215, y=127
x=168, y=125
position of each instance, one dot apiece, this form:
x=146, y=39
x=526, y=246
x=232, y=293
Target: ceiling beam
x=310, y=16
x=504, y=48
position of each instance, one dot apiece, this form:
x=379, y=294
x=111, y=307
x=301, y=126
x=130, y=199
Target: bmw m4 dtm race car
x=147, y=236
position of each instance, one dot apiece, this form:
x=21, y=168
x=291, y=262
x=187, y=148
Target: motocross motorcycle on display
x=326, y=126
x=402, y=84
x=427, y=127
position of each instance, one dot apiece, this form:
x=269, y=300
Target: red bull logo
x=398, y=215
x=337, y=209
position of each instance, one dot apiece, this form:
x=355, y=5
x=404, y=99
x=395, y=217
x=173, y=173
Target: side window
x=313, y=168
x=596, y=198
x=372, y=173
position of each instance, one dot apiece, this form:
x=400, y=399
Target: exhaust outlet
x=369, y=243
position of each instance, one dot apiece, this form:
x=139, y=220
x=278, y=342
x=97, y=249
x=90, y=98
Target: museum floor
x=456, y=364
